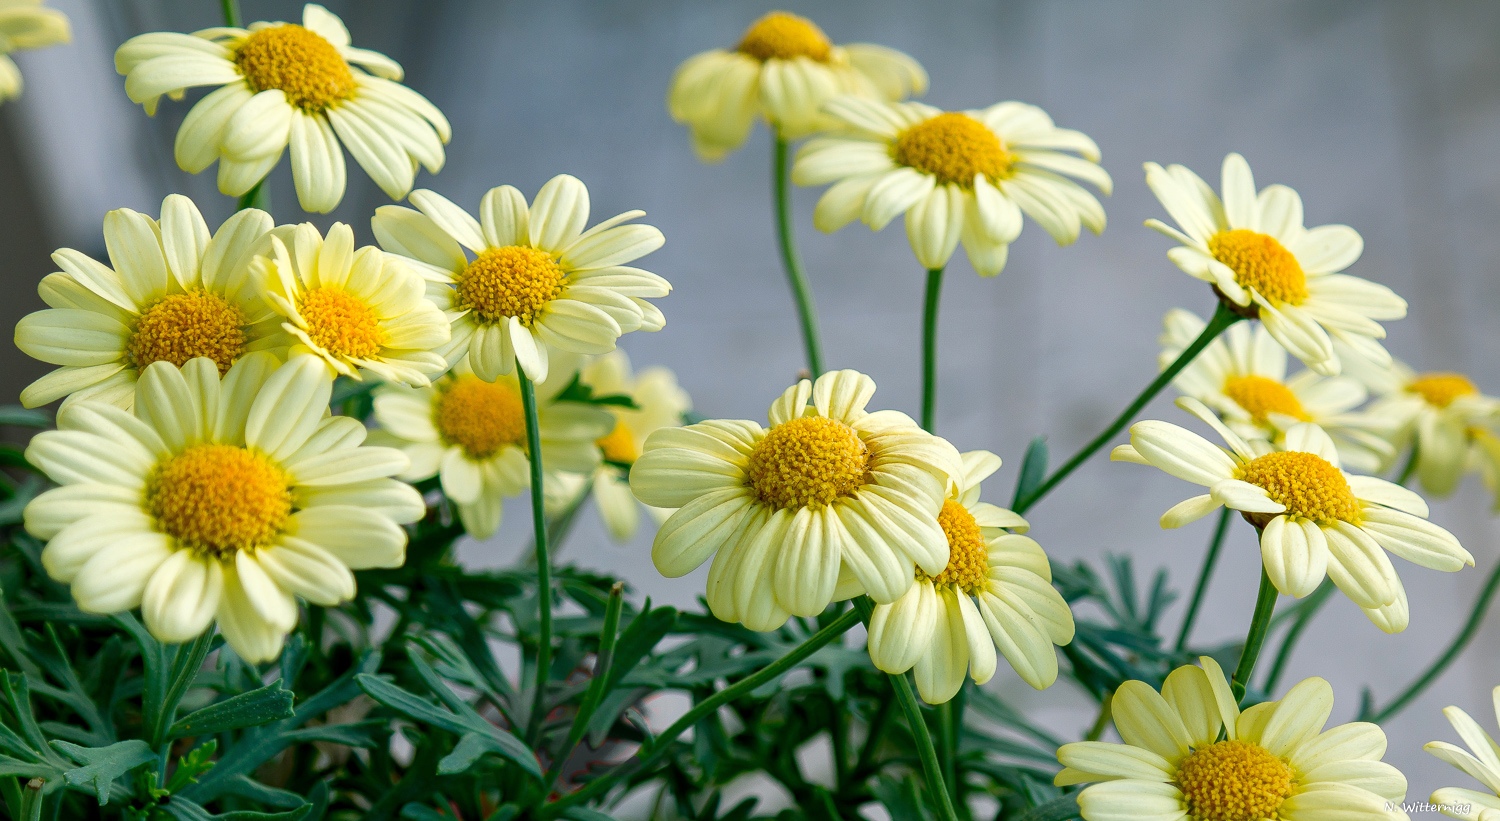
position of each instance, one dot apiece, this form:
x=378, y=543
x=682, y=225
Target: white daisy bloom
x=1480, y=762
x=280, y=86
x=471, y=433
x=171, y=293
x=1241, y=375
x=537, y=279
x=356, y=309
x=25, y=25
x=832, y=501
x=1189, y=752
x=996, y=592
x=1254, y=250
x=783, y=70
x=218, y=500
x=958, y=176
x=1443, y=416
x=1314, y=519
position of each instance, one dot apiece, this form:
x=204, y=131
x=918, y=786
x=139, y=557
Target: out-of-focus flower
x=1442, y=416
x=25, y=25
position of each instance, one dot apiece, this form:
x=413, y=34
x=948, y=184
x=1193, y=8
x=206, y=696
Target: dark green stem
x=1101, y=721
x=1410, y=467
x=543, y=561
x=1307, y=609
x=1260, y=623
x=933, y=771
x=1209, y=561
x=781, y=174
x=597, y=684
x=231, y=12
x=31, y=800
x=257, y=197
x=929, y=347
x=1222, y=318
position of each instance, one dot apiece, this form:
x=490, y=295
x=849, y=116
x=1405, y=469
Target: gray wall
x=1384, y=115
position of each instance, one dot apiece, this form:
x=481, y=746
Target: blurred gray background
x=1384, y=115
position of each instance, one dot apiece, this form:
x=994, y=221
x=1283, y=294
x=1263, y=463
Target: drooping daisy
x=537, y=281
x=174, y=293
x=24, y=25
x=1261, y=261
x=829, y=486
x=1241, y=375
x=995, y=592
x=282, y=86
x=1274, y=761
x=471, y=433
x=218, y=501
x=1440, y=414
x=1482, y=764
x=1314, y=519
x=358, y=310
x=783, y=70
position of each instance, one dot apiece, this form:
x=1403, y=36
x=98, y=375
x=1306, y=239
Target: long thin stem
x=1410, y=467
x=929, y=347
x=1309, y=608
x=1222, y=318
x=925, y=750
x=781, y=174
x=1209, y=561
x=658, y=746
x=543, y=562
x=1431, y=674
x=602, y=664
x=947, y=746
x=1101, y=721
x=231, y=12
x=257, y=197
x=1260, y=623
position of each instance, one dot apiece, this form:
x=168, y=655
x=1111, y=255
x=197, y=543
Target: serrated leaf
x=491, y=738
x=252, y=709
x=102, y=765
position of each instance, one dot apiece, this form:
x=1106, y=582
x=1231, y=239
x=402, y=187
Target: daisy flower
x=171, y=293
x=958, y=176
x=996, y=592
x=1190, y=753
x=1263, y=263
x=1314, y=519
x=783, y=69
x=358, y=310
x=537, y=280
x=471, y=433
x=218, y=501
x=1442, y=416
x=830, y=487
x=1482, y=764
x=24, y=25
x=284, y=86
x=1241, y=375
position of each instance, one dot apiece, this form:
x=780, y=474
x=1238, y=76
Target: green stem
x=1209, y=561
x=872, y=739
x=925, y=750
x=1466, y=635
x=1309, y=608
x=231, y=12
x=1260, y=623
x=929, y=347
x=257, y=197
x=1101, y=721
x=947, y=746
x=657, y=747
x=31, y=800
x=595, y=693
x=1222, y=318
x=781, y=175
x=543, y=561
x=1410, y=467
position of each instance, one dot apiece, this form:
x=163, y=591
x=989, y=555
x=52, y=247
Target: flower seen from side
x=1443, y=417
x=26, y=25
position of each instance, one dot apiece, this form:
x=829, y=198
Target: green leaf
x=1033, y=469
x=252, y=709
x=643, y=633
x=185, y=809
x=585, y=814
x=1061, y=808
x=902, y=799
x=102, y=765
x=464, y=724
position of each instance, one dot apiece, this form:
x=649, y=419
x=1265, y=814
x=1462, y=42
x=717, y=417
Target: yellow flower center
x=783, y=36
x=968, y=556
x=808, y=462
x=1261, y=397
x=1440, y=389
x=186, y=326
x=298, y=61
x=218, y=499
x=1233, y=781
x=619, y=445
x=1307, y=484
x=480, y=417
x=341, y=323
x=511, y=281
x=953, y=147
x=1262, y=264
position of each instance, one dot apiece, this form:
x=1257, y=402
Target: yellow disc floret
x=807, y=462
x=341, y=323
x=619, y=445
x=953, y=147
x=1440, y=389
x=783, y=36
x=1261, y=263
x=1233, y=781
x=968, y=556
x=298, y=61
x=1261, y=397
x=513, y=281
x=181, y=327
x=1306, y=484
x=480, y=417
x=218, y=499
